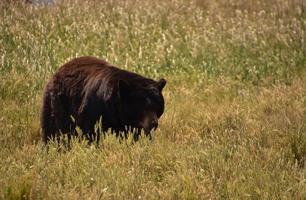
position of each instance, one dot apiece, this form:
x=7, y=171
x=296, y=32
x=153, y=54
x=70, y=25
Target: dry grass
x=235, y=119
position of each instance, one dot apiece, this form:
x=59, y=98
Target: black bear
x=88, y=89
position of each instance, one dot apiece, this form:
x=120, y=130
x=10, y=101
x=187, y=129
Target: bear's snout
x=154, y=124
x=149, y=122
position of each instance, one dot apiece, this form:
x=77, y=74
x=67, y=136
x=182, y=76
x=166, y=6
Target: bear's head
x=142, y=104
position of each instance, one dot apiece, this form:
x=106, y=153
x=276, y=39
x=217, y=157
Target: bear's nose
x=154, y=124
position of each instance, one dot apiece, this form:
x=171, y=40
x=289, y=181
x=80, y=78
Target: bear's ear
x=123, y=88
x=161, y=84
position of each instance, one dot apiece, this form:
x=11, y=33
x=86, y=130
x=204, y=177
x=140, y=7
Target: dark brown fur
x=88, y=88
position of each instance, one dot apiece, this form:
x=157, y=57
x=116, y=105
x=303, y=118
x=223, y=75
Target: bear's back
x=86, y=64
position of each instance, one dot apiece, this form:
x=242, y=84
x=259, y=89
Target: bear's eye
x=139, y=102
x=148, y=101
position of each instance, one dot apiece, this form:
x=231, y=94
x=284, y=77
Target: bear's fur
x=87, y=89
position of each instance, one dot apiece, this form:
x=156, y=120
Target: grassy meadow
x=234, y=125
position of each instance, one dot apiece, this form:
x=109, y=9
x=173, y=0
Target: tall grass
x=235, y=120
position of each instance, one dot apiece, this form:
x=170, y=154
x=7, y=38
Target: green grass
x=235, y=120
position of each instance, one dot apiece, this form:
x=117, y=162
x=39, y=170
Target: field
x=234, y=126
